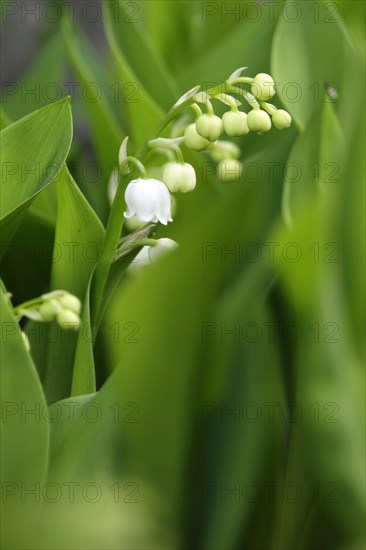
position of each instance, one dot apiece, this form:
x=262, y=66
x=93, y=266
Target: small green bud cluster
x=61, y=306
x=204, y=134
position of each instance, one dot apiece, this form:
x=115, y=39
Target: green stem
x=271, y=109
x=144, y=242
x=196, y=109
x=243, y=80
x=249, y=98
x=112, y=235
x=28, y=305
x=228, y=100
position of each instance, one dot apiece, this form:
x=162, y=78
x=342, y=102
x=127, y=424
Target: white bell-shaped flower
x=148, y=199
x=162, y=246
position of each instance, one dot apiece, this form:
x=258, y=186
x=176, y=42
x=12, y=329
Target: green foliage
x=184, y=400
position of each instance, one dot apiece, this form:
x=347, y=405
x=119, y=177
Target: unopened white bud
x=193, y=140
x=229, y=170
x=49, y=309
x=69, y=301
x=209, y=127
x=281, y=119
x=235, y=123
x=225, y=150
x=162, y=246
x=68, y=319
x=263, y=86
x=179, y=177
x=259, y=121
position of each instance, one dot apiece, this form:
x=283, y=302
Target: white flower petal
x=149, y=200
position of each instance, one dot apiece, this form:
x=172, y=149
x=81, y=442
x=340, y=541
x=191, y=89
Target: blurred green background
x=227, y=409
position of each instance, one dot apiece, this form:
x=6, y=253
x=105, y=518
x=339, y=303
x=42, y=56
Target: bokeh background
x=229, y=402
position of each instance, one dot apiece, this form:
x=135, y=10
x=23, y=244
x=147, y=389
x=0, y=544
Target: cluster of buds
x=148, y=199
x=59, y=306
x=208, y=128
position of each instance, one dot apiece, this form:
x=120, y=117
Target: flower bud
x=161, y=248
x=223, y=150
x=258, y=121
x=71, y=302
x=235, y=123
x=68, y=319
x=281, y=119
x=229, y=170
x=209, y=127
x=193, y=140
x=49, y=309
x=179, y=177
x=263, y=87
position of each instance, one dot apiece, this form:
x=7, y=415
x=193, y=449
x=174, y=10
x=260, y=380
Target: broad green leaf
x=24, y=434
x=304, y=67
x=104, y=116
x=248, y=45
x=24, y=430
x=83, y=378
x=234, y=414
x=143, y=112
x=4, y=119
x=77, y=247
x=314, y=163
x=33, y=151
x=139, y=52
x=78, y=240
x=326, y=289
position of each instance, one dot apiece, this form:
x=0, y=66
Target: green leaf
x=33, y=151
x=314, y=162
x=303, y=67
x=248, y=44
x=234, y=422
x=138, y=51
x=144, y=114
x=106, y=125
x=77, y=247
x=78, y=240
x=83, y=378
x=4, y=119
x=24, y=442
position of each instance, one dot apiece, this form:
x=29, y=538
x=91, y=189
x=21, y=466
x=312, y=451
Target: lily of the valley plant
x=145, y=198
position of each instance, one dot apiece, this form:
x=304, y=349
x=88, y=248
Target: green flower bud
x=49, y=309
x=179, y=177
x=193, y=140
x=259, y=121
x=229, y=170
x=68, y=319
x=71, y=302
x=209, y=127
x=235, y=123
x=225, y=150
x=263, y=87
x=281, y=119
